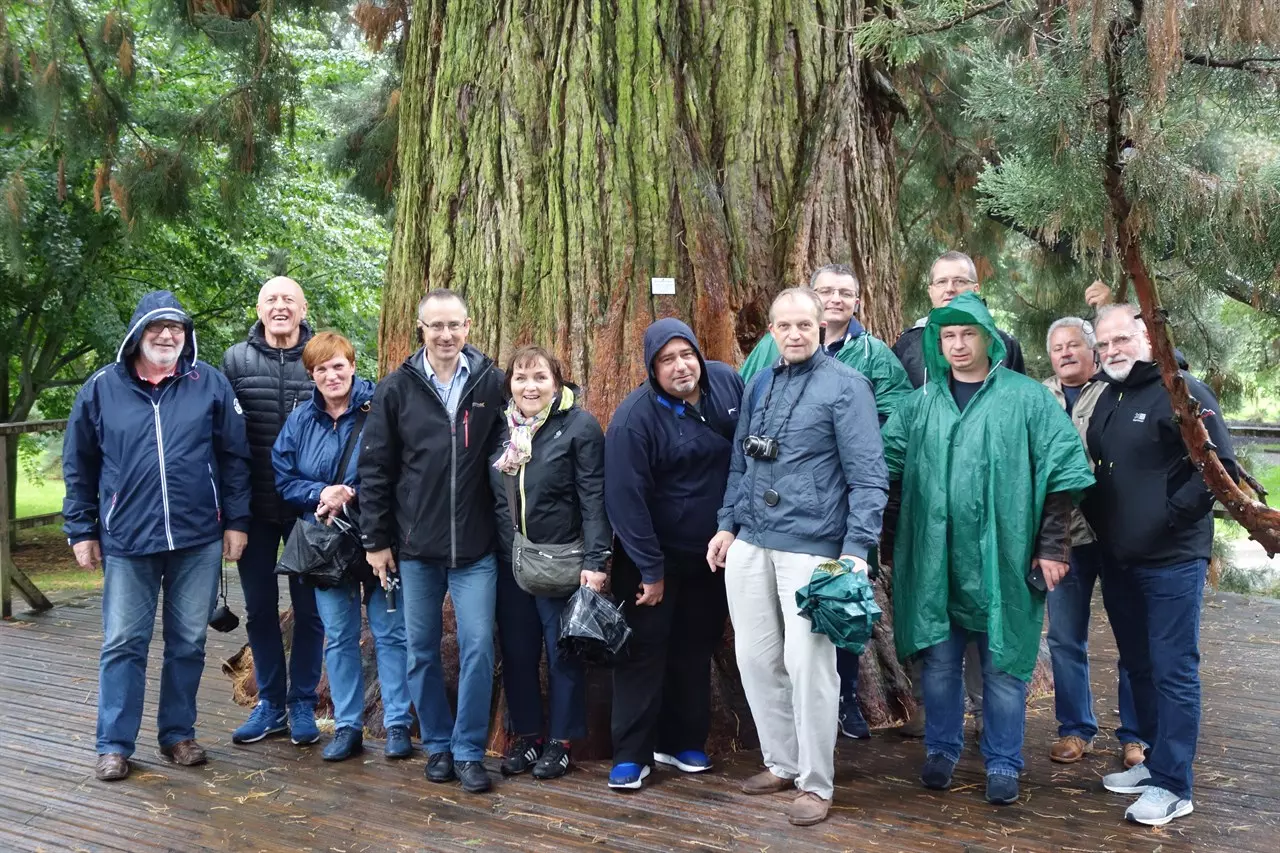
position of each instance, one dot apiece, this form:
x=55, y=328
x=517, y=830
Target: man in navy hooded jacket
x=156, y=465
x=666, y=458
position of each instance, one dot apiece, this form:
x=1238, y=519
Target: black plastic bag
x=324, y=556
x=592, y=629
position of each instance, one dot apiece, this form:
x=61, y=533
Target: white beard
x=161, y=357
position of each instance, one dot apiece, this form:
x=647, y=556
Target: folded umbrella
x=841, y=604
x=592, y=628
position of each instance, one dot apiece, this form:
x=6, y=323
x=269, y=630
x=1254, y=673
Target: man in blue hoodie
x=156, y=465
x=666, y=458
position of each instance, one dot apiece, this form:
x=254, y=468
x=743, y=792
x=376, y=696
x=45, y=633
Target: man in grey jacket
x=808, y=429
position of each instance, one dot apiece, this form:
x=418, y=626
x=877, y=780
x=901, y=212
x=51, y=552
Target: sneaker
x=1156, y=807
x=852, y=723
x=1135, y=780
x=1002, y=789
x=554, y=762
x=302, y=723
x=522, y=755
x=1070, y=749
x=689, y=761
x=937, y=770
x=1134, y=754
x=399, y=744
x=628, y=776
x=347, y=741
x=265, y=720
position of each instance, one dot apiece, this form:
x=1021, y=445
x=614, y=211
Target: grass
x=38, y=499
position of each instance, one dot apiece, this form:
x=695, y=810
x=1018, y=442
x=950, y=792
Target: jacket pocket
x=111, y=511
x=213, y=483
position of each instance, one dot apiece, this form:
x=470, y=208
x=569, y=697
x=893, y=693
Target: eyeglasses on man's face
x=843, y=292
x=440, y=326
x=175, y=329
x=957, y=283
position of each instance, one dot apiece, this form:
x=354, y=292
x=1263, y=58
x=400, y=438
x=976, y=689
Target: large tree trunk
x=556, y=156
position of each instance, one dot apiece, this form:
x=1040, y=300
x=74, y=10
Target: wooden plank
x=20, y=427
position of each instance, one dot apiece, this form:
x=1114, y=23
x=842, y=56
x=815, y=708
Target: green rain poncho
x=973, y=487
x=866, y=354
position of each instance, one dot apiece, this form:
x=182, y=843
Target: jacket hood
x=967, y=309
x=257, y=339
x=361, y=393
x=658, y=335
x=158, y=305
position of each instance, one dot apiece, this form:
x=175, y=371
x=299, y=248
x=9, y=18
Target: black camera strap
x=764, y=411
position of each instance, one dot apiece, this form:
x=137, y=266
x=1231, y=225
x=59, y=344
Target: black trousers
x=662, y=689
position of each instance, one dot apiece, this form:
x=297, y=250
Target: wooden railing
x=11, y=577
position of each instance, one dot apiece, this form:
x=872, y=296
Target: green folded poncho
x=841, y=604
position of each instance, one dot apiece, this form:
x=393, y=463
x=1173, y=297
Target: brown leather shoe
x=766, y=783
x=112, y=767
x=188, y=753
x=808, y=809
x=1070, y=749
x=913, y=726
x=1133, y=755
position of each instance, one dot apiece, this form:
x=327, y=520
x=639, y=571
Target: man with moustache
x=1070, y=344
x=156, y=468
x=807, y=484
x=270, y=380
x=1152, y=514
x=666, y=460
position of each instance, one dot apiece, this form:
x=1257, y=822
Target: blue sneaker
x=628, y=776
x=398, y=743
x=265, y=720
x=347, y=741
x=690, y=761
x=302, y=723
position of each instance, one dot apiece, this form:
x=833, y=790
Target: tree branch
x=1241, y=64
x=966, y=15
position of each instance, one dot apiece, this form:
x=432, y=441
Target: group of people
x=714, y=492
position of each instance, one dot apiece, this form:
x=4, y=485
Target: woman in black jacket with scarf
x=554, y=454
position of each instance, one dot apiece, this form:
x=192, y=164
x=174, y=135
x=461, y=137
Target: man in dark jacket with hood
x=156, y=468
x=269, y=380
x=1152, y=514
x=424, y=490
x=666, y=459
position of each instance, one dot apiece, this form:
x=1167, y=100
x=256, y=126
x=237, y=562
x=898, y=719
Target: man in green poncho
x=847, y=341
x=990, y=468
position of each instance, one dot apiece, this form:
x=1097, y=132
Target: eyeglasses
x=828, y=292
x=173, y=328
x=954, y=282
x=438, y=326
x=1116, y=343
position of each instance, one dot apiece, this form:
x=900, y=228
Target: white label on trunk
x=662, y=286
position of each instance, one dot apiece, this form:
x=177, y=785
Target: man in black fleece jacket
x=666, y=459
x=424, y=489
x=1152, y=514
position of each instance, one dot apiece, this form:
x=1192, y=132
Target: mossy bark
x=555, y=155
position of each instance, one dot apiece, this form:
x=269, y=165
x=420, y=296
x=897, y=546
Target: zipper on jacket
x=453, y=492
x=217, y=504
x=106, y=522
x=466, y=428
x=164, y=481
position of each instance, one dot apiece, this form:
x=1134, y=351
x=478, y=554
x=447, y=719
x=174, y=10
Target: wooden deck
x=274, y=796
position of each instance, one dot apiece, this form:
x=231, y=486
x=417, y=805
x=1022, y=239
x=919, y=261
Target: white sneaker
x=1156, y=807
x=1135, y=780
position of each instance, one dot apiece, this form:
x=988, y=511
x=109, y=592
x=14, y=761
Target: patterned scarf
x=519, y=448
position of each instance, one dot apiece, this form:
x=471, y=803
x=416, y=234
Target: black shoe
x=1002, y=790
x=398, y=745
x=852, y=723
x=937, y=770
x=440, y=767
x=554, y=762
x=347, y=741
x=522, y=755
x=475, y=779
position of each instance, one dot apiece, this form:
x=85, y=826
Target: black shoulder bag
x=326, y=555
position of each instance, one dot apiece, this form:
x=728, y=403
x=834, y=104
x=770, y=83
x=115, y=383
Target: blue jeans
x=261, y=587
x=473, y=590
x=1068, y=636
x=1004, y=705
x=526, y=624
x=340, y=612
x=1155, y=615
x=130, y=587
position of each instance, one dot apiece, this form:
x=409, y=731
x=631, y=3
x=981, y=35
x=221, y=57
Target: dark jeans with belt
x=1155, y=615
x=662, y=688
x=526, y=624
